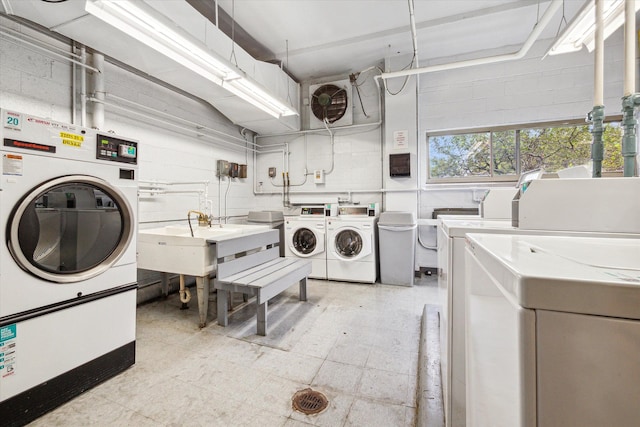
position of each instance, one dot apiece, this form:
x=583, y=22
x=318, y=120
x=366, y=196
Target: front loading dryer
x=68, y=205
x=351, y=244
x=305, y=237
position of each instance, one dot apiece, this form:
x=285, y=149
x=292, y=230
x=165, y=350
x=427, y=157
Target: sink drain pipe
x=185, y=294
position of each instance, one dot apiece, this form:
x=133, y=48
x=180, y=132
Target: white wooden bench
x=252, y=265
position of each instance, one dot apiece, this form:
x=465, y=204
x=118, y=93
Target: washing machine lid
x=70, y=229
x=460, y=227
x=351, y=243
x=306, y=241
x=595, y=276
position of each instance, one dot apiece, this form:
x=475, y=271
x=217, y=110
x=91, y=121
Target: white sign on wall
x=401, y=139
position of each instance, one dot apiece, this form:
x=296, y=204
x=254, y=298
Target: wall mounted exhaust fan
x=330, y=101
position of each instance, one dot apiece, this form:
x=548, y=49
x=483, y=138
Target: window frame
x=515, y=127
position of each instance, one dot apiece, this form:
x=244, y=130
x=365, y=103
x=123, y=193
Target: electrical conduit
x=99, y=91
x=540, y=26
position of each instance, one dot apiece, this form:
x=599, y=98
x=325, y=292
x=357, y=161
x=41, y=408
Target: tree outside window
x=495, y=154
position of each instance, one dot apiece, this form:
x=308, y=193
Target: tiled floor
x=357, y=344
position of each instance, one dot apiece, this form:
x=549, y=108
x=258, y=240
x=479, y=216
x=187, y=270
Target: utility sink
x=171, y=249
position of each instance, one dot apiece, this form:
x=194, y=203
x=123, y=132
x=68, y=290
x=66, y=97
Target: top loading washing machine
x=352, y=244
x=305, y=237
x=553, y=331
x=572, y=215
x=68, y=208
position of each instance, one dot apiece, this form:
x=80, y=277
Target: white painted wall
x=525, y=91
x=401, y=115
x=34, y=83
x=356, y=175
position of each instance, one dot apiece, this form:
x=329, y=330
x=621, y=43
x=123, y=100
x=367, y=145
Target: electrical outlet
x=318, y=176
x=272, y=172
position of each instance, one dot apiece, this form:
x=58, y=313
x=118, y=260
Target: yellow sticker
x=71, y=136
x=72, y=143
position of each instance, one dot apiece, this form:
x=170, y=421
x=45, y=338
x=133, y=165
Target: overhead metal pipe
x=598, y=87
x=629, y=47
x=49, y=50
x=414, y=33
x=98, y=91
x=74, y=87
x=596, y=116
x=83, y=87
x=533, y=36
x=630, y=99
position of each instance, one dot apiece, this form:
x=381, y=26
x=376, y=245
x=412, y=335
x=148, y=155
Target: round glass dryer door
x=70, y=229
x=304, y=242
x=350, y=245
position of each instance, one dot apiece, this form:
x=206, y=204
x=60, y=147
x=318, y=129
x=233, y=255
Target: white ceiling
x=337, y=37
x=326, y=39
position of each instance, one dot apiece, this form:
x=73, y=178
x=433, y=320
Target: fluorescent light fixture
x=581, y=30
x=146, y=25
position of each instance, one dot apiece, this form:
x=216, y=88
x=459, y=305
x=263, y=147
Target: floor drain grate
x=309, y=401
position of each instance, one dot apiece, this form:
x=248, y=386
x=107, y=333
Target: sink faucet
x=203, y=219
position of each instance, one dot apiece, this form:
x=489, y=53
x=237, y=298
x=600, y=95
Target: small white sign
x=13, y=120
x=401, y=139
x=12, y=164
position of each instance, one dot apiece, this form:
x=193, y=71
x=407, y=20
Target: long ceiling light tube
x=581, y=30
x=163, y=35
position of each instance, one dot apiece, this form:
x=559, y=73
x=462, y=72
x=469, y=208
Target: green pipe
x=629, y=124
x=596, y=118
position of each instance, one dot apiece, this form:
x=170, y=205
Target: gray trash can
x=274, y=219
x=397, y=239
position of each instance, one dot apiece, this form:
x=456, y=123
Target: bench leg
x=303, y=289
x=222, y=307
x=262, y=318
x=202, y=286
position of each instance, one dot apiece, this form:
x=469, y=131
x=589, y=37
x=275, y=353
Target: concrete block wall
x=357, y=172
x=524, y=91
x=31, y=81
x=35, y=83
x=172, y=154
x=530, y=90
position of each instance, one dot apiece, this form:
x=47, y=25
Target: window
x=502, y=154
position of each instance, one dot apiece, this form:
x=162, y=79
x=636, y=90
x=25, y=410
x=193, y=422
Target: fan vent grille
x=329, y=102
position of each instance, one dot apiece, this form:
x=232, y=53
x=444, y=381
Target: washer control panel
x=116, y=149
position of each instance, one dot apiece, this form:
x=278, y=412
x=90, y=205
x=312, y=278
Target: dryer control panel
x=116, y=149
x=312, y=210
